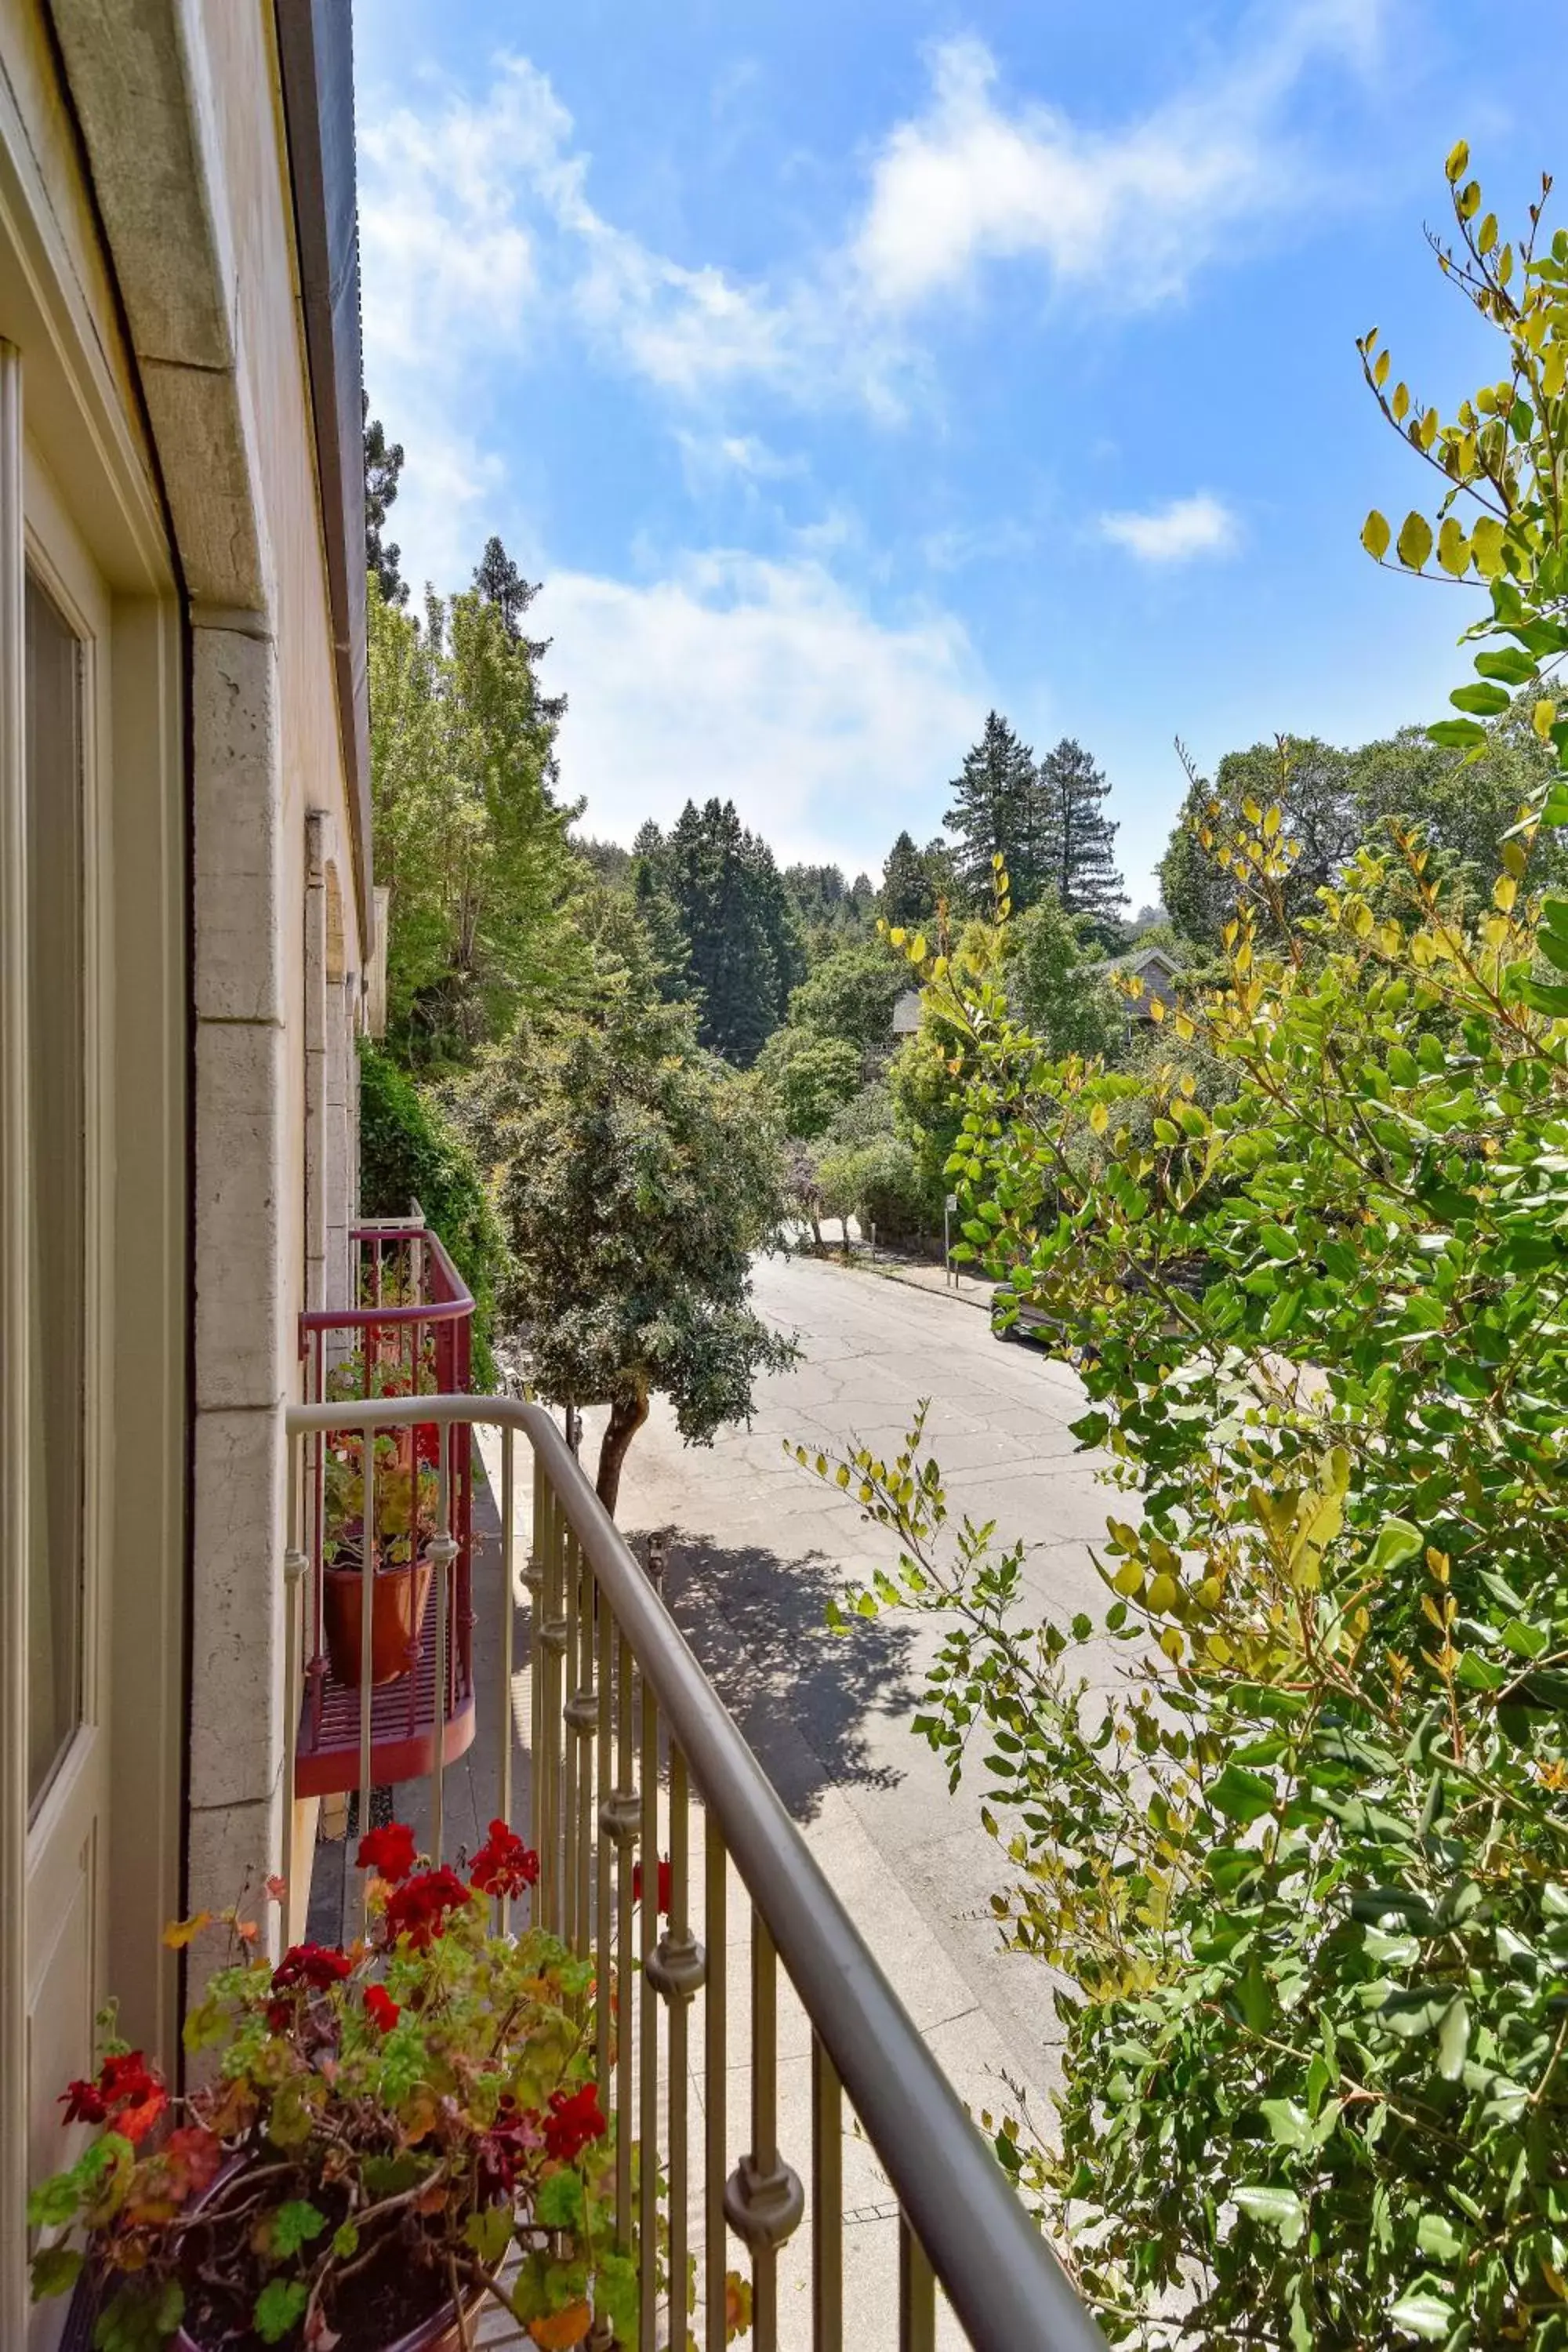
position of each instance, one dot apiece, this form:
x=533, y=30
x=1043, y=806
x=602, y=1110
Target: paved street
x=760, y=1545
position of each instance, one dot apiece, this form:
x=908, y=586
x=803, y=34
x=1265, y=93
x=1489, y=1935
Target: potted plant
x=390, y=2136
x=390, y=1555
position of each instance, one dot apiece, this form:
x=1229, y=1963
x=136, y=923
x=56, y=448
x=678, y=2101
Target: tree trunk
x=627, y=1415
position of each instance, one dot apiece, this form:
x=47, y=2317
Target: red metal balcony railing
x=382, y=1613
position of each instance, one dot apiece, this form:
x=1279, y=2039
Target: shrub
x=409, y=1150
x=879, y=1183
x=1303, y=1864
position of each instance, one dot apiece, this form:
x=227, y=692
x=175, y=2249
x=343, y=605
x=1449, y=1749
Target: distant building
x=907, y=1014
x=1158, y=970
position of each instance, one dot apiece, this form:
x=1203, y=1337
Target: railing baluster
x=715, y=2081
x=626, y=1830
x=676, y=1972
x=764, y=2120
x=533, y=1576
x=603, y=1919
x=827, y=2202
x=441, y=1553
x=367, y=1632
x=916, y=2293
x=647, y=2033
x=567, y=1907
x=547, y=1761
x=508, y=1632
x=763, y=2200
x=583, y=1711
x=611, y=1670
x=296, y=1568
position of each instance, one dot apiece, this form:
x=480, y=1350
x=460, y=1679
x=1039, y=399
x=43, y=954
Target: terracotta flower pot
x=398, y=1600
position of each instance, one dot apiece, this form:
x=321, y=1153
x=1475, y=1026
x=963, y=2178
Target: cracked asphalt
x=760, y=1546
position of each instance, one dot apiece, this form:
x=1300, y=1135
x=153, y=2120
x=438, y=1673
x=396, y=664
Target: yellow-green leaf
x=1414, y=542
x=1459, y=160
x=1544, y=718
x=1452, y=548
x=1486, y=545
x=1375, y=536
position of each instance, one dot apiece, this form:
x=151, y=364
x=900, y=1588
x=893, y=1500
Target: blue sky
x=844, y=367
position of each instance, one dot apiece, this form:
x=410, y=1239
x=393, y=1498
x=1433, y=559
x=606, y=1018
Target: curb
x=893, y=1272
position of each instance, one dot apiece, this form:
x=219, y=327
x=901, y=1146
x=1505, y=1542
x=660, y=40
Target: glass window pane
x=57, y=1065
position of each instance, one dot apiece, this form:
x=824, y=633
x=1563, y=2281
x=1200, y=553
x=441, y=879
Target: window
x=53, y=798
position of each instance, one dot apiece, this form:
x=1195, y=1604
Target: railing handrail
x=998, y=2271
x=456, y=1309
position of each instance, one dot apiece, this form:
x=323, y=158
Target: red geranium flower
x=503, y=1865
x=311, y=1964
x=505, y=2148
x=573, y=2123
x=388, y=1852
x=666, y=1878
x=83, y=2103
x=380, y=2008
x=418, y=1908
x=128, y=2093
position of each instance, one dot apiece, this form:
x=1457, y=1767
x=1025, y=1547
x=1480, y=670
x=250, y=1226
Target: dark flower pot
x=439, y=2332
x=398, y=1600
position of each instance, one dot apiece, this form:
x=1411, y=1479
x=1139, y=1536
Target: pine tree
x=383, y=465
x=1077, y=842
x=745, y=952
x=994, y=813
x=906, y=885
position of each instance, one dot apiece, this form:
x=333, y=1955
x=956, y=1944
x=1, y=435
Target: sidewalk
x=918, y=1273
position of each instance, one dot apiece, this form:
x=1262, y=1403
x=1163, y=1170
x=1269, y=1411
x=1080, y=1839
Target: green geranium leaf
x=559, y=2204
x=54, y=2271
x=279, y=2308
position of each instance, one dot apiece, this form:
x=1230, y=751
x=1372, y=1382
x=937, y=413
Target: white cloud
x=479, y=239
x=1175, y=532
x=476, y=236
x=1133, y=210
x=763, y=683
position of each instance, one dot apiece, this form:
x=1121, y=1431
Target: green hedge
x=410, y=1150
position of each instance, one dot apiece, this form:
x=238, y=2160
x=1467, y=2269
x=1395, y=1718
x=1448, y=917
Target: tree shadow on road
x=801, y=1693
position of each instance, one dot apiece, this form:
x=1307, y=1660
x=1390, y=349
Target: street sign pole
x=949, y=1271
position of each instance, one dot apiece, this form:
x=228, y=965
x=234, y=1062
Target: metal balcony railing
x=408, y=1333
x=628, y=1748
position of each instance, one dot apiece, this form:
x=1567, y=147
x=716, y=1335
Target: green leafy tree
x=1057, y=982
x=996, y=811
x=810, y=1077
x=851, y=994
x=635, y=1179
x=742, y=934
x=1310, y=783
x=1331, y=801
x=917, y=883
x=832, y=912
x=1302, y=1865
x=470, y=838
x=1072, y=842
x=411, y=1150
x=383, y=468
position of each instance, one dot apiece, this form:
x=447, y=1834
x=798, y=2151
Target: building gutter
x=315, y=46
